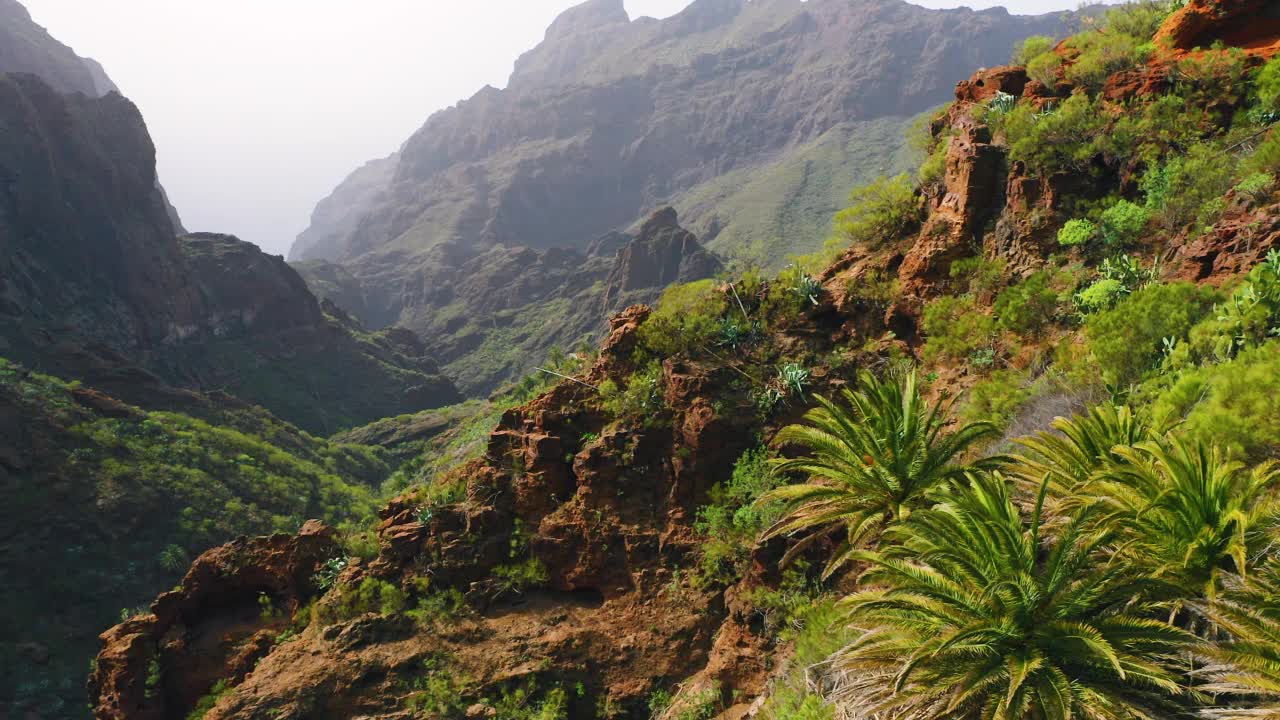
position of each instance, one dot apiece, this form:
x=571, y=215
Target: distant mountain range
x=752, y=119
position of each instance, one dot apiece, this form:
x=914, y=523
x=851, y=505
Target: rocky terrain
x=751, y=119
x=571, y=571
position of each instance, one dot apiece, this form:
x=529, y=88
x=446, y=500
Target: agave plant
x=1246, y=663
x=1195, y=517
x=977, y=614
x=869, y=462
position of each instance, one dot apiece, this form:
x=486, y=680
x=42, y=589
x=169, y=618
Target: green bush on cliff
x=639, y=398
x=370, y=596
x=686, y=319
x=1031, y=48
x=1061, y=138
x=732, y=519
x=1027, y=307
x=957, y=329
x=1099, y=55
x=1127, y=340
x=1123, y=224
x=1076, y=233
x=1235, y=404
x=1186, y=189
x=879, y=213
x=1044, y=68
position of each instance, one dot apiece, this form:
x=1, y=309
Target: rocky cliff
x=752, y=119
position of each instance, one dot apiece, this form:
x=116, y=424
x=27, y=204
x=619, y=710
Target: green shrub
x=1139, y=20
x=1256, y=186
x=1246, y=319
x=879, y=213
x=1100, y=295
x=1076, y=233
x=1100, y=55
x=984, y=275
x=1063, y=138
x=1028, y=306
x=1235, y=404
x=518, y=577
x=1127, y=340
x=687, y=319
x=1266, y=85
x=1044, y=69
x=641, y=398
x=731, y=519
x=876, y=289
x=1123, y=224
x=438, y=607
x=209, y=700
x=1187, y=188
x=957, y=329
x=370, y=596
x=1032, y=47
x=997, y=397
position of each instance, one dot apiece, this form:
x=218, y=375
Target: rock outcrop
x=212, y=627
x=606, y=510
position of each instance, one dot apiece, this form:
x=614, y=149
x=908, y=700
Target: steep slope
x=94, y=280
x=772, y=107
x=25, y=47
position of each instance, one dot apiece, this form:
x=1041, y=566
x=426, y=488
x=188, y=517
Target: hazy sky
x=259, y=108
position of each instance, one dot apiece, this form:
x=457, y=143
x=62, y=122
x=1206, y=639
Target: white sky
x=259, y=108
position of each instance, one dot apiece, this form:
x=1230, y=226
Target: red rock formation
x=1249, y=24
x=209, y=629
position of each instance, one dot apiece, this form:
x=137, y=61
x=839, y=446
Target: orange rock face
x=1247, y=24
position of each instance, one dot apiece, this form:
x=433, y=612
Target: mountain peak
x=588, y=16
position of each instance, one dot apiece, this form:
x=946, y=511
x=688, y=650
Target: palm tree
x=1194, y=517
x=869, y=463
x=976, y=614
x=1069, y=456
x=1247, y=661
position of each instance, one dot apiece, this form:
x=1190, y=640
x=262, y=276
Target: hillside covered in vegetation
x=1002, y=450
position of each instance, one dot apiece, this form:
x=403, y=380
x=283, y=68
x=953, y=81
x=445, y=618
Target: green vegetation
x=153, y=490
x=873, y=460
x=973, y=605
x=1027, y=307
x=733, y=518
x=879, y=213
x=958, y=329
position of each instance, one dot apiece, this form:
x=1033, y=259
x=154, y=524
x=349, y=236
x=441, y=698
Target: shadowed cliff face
x=87, y=245
x=95, y=285
x=25, y=47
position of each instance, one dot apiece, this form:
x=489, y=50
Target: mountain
x=752, y=119
x=505, y=309
x=25, y=47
